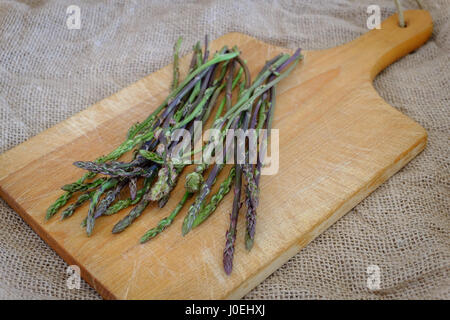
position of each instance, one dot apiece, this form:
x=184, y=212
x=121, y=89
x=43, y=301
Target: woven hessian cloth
x=48, y=73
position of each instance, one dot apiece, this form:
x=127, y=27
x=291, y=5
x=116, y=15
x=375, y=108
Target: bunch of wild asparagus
x=153, y=173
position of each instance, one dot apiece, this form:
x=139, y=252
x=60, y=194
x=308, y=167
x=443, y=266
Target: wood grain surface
x=338, y=142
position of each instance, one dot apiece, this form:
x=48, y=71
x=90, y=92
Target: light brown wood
x=338, y=142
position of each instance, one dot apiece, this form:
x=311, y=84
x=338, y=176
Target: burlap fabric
x=48, y=73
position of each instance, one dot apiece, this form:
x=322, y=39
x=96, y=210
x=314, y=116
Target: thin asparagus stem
x=244, y=99
x=205, y=57
x=204, y=190
x=207, y=185
x=252, y=175
x=82, y=187
x=222, y=104
x=108, y=184
x=109, y=170
x=197, y=109
x=109, y=198
x=125, y=203
x=245, y=105
x=137, y=210
x=229, y=87
x=211, y=103
x=228, y=252
x=208, y=209
x=252, y=190
x=164, y=223
x=176, y=67
x=59, y=203
x=244, y=66
x=133, y=215
x=80, y=201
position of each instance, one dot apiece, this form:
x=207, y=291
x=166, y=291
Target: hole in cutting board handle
x=375, y=50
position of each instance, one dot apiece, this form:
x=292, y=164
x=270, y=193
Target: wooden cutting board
x=338, y=142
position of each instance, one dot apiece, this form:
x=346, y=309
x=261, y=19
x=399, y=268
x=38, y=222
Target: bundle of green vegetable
x=155, y=171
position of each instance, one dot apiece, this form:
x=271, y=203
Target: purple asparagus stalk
x=108, y=169
x=252, y=190
x=228, y=252
x=195, y=208
x=230, y=236
x=109, y=199
x=229, y=85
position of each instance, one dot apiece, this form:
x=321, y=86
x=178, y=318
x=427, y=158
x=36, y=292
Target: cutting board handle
x=379, y=48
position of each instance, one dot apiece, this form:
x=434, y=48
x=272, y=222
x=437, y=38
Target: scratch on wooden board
x=162, y=265
x=318, y=181
x=209, y=262
x=214, y=266
x=133, y=276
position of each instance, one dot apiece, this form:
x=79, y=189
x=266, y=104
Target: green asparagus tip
x=248, y=243
x=49, y=215
x=185, y=230
x=119, y=227
x=89, y=229
x=147, y=236
x=143, y=240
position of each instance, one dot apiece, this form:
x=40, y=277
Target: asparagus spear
x=176, y=68
x=138, y=209
x=228, y=252
x=206, y=187
x=230, y=236
x=108, y=184
x=229, y=87
x=164, y=223
x=135, y=213
x=109, y=198
x=204, y=191
x=109, y=170
x=208, y=209
x=125, y=203
x=222, y=104
x=252, y=190
x=82, y=198
x=82, y=187
x=71, y=208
